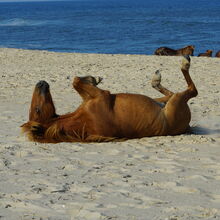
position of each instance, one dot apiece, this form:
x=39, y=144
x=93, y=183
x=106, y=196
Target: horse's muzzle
x=43, y=86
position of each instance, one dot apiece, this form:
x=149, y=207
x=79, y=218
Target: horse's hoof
x=156, y=79
x=98, y=80
x=91, y=80
x=185, y=62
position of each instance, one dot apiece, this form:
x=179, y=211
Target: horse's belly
x=138, y=116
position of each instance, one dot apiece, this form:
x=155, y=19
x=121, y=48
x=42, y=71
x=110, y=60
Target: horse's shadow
x=198, y=130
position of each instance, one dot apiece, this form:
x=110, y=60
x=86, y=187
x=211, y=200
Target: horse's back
x=165, y=51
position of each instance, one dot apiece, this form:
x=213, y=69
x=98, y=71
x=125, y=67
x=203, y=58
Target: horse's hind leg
x=86, y=87
x=176, y=110
x=191, y=90
x=156, y=84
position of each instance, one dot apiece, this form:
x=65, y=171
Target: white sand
x=149, y=178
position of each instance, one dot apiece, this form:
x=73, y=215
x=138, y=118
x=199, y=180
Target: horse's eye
x=37, y=110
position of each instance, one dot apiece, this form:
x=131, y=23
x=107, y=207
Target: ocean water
x=111, y=26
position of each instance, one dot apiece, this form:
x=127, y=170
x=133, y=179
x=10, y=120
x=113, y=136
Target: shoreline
x=125, y=54
x=170, y=177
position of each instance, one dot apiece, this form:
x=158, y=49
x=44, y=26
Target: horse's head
x=209, y=52
x=42, y=108
x=190, y=50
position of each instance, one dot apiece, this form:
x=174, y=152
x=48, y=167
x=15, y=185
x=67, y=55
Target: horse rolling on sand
x=103, y=116
x=166, y=51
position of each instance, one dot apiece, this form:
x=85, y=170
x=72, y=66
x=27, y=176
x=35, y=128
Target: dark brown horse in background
x=103, y=116
x=166, y=51
x=208, y=53
x=217, y=54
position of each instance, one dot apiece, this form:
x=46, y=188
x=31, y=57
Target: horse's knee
x=193, y=91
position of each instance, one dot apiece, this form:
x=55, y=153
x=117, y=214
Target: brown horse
x=103, y=116
x=208, y=53
x=166, y=51
x=217, y=54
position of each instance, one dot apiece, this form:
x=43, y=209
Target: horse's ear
x=25, y=128
x=34, y=130
x=23, y=125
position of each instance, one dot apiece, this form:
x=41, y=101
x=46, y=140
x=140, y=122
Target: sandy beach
x=158, y=178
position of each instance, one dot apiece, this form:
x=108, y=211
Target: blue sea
x=110, y=26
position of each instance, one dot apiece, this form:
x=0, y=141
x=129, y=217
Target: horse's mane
x=53, y=134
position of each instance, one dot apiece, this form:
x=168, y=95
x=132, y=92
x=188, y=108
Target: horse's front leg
x=91, y=80
x=86, y=87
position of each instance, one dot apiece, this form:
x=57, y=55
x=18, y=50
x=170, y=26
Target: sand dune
x=149, y=178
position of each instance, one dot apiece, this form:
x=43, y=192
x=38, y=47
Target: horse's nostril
x=43, y=86
x=42, y=83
